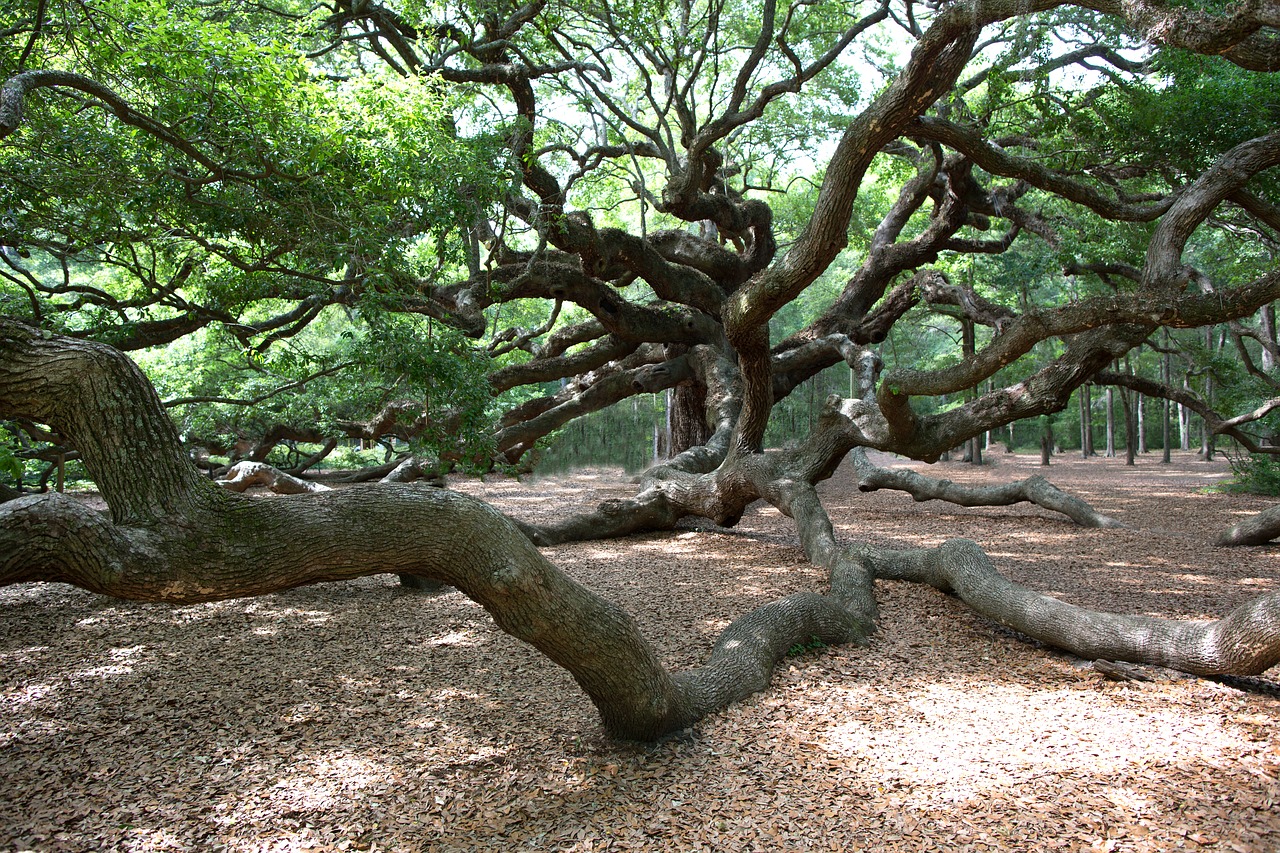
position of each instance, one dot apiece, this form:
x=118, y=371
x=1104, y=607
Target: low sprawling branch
x=1036, y=490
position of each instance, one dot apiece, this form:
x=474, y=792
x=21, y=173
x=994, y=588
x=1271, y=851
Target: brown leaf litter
x=355, y=716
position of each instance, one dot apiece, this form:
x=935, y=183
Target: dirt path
x=358, y=717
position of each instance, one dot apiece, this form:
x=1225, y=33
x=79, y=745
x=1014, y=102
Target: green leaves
x=10, y=465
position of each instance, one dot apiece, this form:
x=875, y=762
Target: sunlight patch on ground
x=125, y=661
x=679, y=545
x=326, y=781
x=457, y=638
x=145, y=840
x=958, y=740
x=185, y=615
x=313, y=617
x=27, y=694
x=23, y=655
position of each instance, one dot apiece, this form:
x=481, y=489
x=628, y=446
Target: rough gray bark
x=1036, y=490
x=173, y=536
x=1244, y=642
x=1258, y=530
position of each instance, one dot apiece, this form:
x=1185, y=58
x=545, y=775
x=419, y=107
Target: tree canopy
x=466, y=225
x=584, y=203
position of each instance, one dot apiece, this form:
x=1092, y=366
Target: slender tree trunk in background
x=969, y=348
x=1142, y=423
x=1088, y=415
x=1111, y=422
x=1184, y=422
x=1166, y=452
x=1267, y=324
x=657, y=442
x=1046, y=439
x=1166, y=373
x=1130, y=431
x=1135, y=423
x=1086, y=428
x=986, y=436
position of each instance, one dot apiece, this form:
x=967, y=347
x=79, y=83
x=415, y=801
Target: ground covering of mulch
x=358, y=716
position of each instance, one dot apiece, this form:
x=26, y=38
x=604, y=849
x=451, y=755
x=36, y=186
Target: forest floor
x=358, y=716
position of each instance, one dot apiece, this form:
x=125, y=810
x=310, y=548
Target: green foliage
x=1255, y=473
x=294, y=178
x=620, y=435
x=813, y=644
x=1199, y=107
x=10, y=465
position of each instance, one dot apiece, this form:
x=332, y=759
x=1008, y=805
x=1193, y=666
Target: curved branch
x=14, y=92
x=1036, y=490
x=1245, y=642
x=998, y=161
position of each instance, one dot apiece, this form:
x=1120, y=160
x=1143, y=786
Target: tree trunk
x=688, y=417
x=1166, y=452
x=1166, y=371
x=1086, y=420
x=1111, y=422
x=1267, y=324
x=969, y=348
x=1184, y=424
x=1130, y=443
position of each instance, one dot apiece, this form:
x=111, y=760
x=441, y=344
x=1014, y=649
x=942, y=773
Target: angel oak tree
x=674, y=110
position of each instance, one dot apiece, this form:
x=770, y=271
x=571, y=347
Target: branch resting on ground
x=242, y=475
x=1036, y=490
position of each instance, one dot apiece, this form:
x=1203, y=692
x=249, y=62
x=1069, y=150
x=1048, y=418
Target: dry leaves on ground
x=356, y=716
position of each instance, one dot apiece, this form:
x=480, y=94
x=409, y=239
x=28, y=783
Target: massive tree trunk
x=174, y=536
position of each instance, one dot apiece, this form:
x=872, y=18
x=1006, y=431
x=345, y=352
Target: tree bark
x=1258, y=530
x=1245, y=642
x=1127, y=409
x=242, y=475
x=1036, y=490
x=175, y=537
x=1046, y=440
x=1111, y=422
